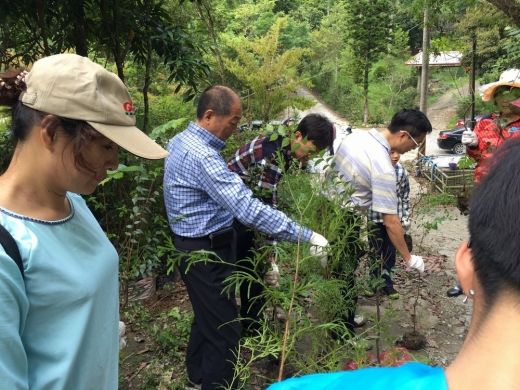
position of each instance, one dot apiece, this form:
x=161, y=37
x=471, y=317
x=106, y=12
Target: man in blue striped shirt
x=203, y=197
x=362, y=163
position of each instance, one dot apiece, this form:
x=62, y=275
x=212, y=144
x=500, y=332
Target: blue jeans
x=385, y=250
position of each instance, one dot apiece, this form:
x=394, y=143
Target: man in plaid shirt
x=379, y=239
x=261, y=164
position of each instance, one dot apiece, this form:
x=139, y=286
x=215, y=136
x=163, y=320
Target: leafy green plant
x=6, y=145
x=171, y=332
x=138, y=315
x=130, y=209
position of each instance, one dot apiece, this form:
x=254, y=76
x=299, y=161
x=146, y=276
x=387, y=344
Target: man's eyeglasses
x=414, y=141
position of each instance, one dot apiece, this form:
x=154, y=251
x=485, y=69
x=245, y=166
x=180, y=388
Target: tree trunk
x=210, y=25
x=365, y=93
x=80, y=35
x=42, y=13
x=472, y=84
x=336, y=73
x=425, y=63
x=117, y=43
x=424, y=73
x=147, y=78
x=110, y=24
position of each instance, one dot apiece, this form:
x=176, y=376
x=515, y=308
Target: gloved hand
x=320, y=248
x=406, y=223
x=122, y=331
x=416, y=262
x=271, y=278
x=469, y=138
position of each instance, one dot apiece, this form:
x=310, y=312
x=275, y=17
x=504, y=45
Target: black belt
x=216, y=239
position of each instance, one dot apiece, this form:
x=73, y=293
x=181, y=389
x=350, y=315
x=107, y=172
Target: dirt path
x=320, y=108
x=439, y=114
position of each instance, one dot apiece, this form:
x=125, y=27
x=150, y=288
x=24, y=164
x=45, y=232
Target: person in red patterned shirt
x=494, y=129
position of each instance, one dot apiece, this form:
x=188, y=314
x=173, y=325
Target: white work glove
x=320, y=248
x=271, y=278
x=469, y=138
x=406, y=223
x=122, y=331
x=416, y=262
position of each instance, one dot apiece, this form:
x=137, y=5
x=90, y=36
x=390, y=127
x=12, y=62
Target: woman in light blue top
x=488, y=266
x=59, y=312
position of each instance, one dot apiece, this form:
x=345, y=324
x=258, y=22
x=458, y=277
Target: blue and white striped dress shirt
x=202, y=195
x=363, y=161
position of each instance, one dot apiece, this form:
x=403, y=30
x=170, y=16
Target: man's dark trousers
x=380, y=241
x=251, y=302
x=215, y=332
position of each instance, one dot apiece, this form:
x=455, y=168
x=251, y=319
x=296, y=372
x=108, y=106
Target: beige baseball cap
x=74, y=87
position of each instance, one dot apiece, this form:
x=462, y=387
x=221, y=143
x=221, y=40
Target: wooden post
x=472, y=84
x=424, y=72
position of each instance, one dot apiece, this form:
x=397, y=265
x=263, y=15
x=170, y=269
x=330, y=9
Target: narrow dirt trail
x=320, y=108
x=439, y=114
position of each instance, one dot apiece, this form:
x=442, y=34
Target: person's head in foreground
x=69, y=115
x=314, y=134
x=488, y=267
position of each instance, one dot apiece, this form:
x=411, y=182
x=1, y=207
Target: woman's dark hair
x=494, y=224
x=12, y=85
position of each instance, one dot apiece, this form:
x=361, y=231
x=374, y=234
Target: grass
x=452, y=122
x=441, y=199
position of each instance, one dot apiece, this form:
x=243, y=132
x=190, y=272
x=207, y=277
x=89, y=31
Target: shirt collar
x=206, y=136
x=379, y=138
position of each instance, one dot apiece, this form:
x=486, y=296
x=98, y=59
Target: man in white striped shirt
x=378, y=237
x=362, y=161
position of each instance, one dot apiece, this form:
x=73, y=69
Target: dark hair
x=217, y=98
x=494, y=224
x=12, y=85
x=413, y=121
x=318, y=129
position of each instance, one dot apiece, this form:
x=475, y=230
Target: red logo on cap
x=129, y=108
